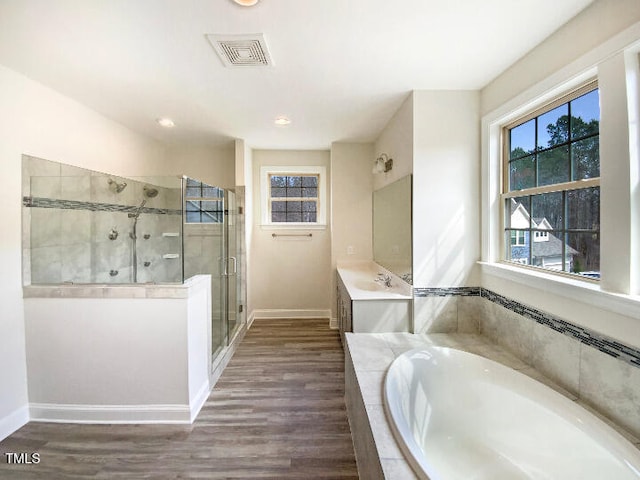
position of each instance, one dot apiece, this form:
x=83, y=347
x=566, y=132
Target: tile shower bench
x=367, y=357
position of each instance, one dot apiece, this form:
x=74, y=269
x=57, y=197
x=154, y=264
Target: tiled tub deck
x=367, y=358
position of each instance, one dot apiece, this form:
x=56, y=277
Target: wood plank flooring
x=277, y=412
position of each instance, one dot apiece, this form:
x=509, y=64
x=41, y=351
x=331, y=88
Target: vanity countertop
x=359, y=279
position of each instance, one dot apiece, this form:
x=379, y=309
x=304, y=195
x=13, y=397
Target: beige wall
x=351, y=198
x=38, y=121
x=289, y=273
x=351, y=191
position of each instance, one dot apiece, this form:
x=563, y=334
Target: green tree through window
x=550, y=157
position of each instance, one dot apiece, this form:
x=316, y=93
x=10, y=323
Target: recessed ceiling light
x=282, y=120
x=165, y=122
x=246, y=3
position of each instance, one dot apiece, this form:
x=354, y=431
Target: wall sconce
x=382, y=164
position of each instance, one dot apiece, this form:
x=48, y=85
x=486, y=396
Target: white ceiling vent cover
x=242, y=50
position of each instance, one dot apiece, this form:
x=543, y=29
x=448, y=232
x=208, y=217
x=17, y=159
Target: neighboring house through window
x=551, y=192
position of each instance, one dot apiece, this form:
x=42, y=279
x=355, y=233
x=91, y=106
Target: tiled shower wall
x=601, y=373
x=69, y=214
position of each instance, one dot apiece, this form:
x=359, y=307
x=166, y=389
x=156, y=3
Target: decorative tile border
x=588, y=337
x=447, y=292
x=41, y=202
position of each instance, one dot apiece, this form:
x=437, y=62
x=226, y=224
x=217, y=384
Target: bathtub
x=457, y=415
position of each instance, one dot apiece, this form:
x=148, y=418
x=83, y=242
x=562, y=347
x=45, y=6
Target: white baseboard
x=199, y=400
x=290, y=313
x=333, y=323
x=14, y=421
x=49, y=412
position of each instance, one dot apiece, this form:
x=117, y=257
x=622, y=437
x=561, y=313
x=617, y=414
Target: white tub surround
x=118, y=354
x=367, y=358
x=366, y=304
x=457, y=415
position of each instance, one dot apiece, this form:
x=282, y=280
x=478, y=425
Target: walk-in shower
x=86, y=227
x=169, y=240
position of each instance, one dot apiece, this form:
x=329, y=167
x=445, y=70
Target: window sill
x=578, y=290
x=293, y=226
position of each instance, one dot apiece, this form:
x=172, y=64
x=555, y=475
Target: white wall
x=587, y=31
x=121, y=357
x=396, y=140
x=214, y=165
x=434, y=135
x=446, y=169
x=39, y=122
x=607, y=47
x=289, y=274
x=244, y=178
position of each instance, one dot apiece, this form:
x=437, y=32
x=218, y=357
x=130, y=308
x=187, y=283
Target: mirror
x=392, y=228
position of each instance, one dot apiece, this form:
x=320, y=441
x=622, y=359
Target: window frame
x=572, y=185
x=266, y=172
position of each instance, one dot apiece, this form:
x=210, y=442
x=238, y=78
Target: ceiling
x=341, y=67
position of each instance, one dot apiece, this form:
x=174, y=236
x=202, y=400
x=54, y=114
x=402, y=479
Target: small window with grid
x=203, y=203
x=293, y=198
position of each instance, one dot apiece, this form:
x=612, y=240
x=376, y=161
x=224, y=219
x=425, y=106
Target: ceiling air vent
x=242, y=50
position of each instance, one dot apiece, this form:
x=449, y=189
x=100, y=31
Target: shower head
x=118, y=187
x=150, y=192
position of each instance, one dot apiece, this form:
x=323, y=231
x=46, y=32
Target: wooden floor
x=277, y=412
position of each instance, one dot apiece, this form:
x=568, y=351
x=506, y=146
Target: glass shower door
x=211, y=246
x=231, y=244
x=205, y=249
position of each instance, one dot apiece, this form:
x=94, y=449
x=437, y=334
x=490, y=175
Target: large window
x=551, y=190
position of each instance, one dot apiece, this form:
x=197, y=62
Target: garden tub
x=457, y=415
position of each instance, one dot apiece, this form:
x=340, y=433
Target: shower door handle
x=224, y=266
x=222, y=263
